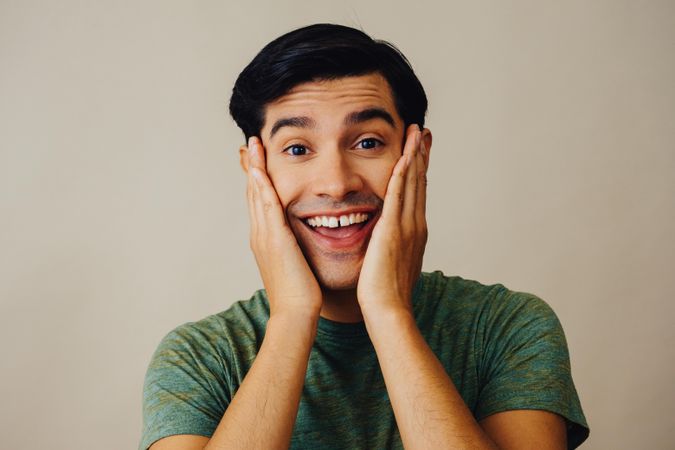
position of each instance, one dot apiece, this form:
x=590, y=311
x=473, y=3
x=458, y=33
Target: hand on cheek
x=393, y=261
x=290, y=284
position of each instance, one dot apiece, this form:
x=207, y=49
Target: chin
x=337, y=278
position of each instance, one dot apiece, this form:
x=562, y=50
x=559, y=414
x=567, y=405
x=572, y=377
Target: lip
x=356, y=241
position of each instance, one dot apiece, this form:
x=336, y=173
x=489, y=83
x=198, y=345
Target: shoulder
x=481, y=304
x=241, y=315
x=491, y=319
x=516, y=340
x=194, y=372
x=212, y=340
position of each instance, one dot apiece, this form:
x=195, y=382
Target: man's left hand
x=393, y=261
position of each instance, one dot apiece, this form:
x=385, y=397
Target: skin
x=336, y=172
x=339, y=168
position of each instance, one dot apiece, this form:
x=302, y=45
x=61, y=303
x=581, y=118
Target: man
x=350, y=345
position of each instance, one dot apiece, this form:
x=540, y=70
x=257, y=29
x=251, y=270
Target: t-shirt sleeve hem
x=150, y=439
x=577, y=428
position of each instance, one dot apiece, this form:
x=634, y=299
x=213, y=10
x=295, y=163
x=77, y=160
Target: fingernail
x=251, y=143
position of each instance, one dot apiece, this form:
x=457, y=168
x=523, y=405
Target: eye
x=296, y=150
x=370, y=143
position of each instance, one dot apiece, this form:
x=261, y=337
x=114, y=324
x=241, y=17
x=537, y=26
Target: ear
x=427, y=140
x=243, y=158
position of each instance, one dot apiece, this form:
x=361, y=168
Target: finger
x=251, y=204
x=257, y=153
x=250, y=196
x=411, y=183
x=394, y=196
x=421, y=213
x=258, y=217
x=254, y=163
x=269, y=209
x=393, y=199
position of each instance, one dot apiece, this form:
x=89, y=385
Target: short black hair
x=322, y=52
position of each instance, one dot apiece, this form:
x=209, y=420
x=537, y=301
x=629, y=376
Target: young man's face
x=327, y=162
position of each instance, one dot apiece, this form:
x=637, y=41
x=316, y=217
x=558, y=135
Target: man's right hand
x=291, y=286
x=263, y=411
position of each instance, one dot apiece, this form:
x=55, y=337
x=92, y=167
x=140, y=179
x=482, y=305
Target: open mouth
x=342, y=230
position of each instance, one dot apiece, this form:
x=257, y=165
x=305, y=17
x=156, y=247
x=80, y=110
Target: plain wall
x=122, y=211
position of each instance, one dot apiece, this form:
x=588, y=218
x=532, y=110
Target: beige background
x=122, y=207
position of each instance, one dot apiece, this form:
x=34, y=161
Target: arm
x=429, y=411
x=526, y=429
x=263, y=411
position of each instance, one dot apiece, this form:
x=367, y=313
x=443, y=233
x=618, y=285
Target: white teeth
x=337, y=221
x=357, y=218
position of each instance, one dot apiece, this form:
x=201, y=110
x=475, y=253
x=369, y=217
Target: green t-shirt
x=503, y=350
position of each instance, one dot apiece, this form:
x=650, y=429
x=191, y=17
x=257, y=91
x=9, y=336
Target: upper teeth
x=335, y=221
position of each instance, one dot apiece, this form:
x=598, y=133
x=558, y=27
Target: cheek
x=378, y=176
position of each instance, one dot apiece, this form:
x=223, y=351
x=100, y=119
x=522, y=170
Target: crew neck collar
x=357, y=331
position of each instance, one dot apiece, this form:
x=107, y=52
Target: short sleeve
x=185, y=389
x=525, y=363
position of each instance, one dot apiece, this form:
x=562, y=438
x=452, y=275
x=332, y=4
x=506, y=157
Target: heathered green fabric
x=503, y=350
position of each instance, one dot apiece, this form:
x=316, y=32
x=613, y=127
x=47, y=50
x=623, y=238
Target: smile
x=341, y=232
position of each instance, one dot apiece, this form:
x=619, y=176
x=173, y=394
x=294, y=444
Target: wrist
x=390, y=327
x=292, y=321
x=301, y=305
x=386, y=316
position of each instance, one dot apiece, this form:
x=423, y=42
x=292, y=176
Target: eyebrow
x=369, y=114
x=298, y=122
x=353, y=118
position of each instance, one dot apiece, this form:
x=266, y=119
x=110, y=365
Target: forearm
x=263, y=411
x=429, y=411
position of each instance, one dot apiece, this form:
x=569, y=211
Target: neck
x=341, y=306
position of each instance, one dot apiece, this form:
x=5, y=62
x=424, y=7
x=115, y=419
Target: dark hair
x=322, y=52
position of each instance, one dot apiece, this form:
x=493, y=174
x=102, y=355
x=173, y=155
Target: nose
x=336, y=176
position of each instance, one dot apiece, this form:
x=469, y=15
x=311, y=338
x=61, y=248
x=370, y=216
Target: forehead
x=332, y=99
